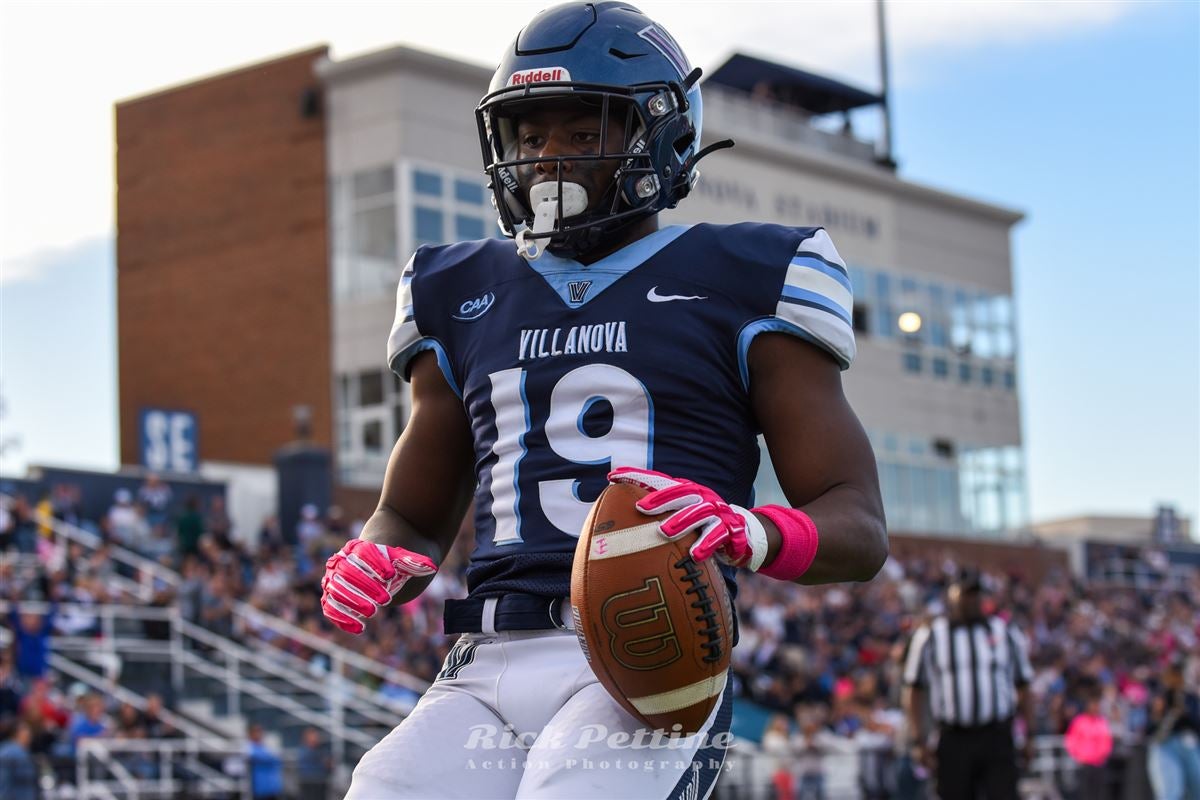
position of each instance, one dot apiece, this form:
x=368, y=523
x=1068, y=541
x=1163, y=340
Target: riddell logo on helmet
x=539, y=75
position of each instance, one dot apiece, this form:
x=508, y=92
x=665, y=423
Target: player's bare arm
x=426, y=490
x=429, y=479
x=822, y=457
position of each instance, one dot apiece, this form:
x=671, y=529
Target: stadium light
x=909, y=322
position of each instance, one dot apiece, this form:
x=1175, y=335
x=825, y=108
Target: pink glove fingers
x=370, y=559
x=673, y=497
x=351, y=573
x=348, y=595
x=688, y=518
x=364, y=576
x=706, y=546
x=340, y=617
x=415, y=564
x=645, y=478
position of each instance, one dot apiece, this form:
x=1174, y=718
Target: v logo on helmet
x=666, y=44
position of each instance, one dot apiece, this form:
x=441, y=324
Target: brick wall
x=223, y=297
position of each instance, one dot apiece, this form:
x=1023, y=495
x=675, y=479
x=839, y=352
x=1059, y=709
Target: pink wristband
x=797, y=546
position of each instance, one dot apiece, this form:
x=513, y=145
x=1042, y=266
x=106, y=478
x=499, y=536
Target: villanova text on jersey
x=639, y=359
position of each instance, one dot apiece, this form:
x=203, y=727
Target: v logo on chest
x=577, y=284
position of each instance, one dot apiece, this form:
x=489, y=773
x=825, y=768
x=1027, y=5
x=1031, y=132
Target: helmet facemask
x=631, y=192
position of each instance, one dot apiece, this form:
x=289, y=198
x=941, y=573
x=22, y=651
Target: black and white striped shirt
x=971, y=670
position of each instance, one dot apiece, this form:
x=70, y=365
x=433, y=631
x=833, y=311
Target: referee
x=975, y=670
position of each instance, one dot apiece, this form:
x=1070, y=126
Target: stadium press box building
x=264, y=215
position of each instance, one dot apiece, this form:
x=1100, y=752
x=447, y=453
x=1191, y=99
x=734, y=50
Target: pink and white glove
x=730, y=532
x=363, y=577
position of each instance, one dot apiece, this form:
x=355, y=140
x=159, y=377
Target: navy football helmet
x=616, y=62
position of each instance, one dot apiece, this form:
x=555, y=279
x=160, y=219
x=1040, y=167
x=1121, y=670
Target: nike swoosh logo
x=654, y=297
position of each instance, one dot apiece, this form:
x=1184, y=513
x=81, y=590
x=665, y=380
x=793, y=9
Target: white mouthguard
x=544, y=199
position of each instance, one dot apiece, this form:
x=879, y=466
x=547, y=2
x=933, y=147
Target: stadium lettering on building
x=792, y=208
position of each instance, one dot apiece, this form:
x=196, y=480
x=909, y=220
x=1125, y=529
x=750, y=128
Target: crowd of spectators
x=42, y=724
x=825, y=660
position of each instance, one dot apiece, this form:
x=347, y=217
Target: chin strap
x=689, y=174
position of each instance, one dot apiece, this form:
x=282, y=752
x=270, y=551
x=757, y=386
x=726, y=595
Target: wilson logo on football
x=539, y=75
x=476, y=307
x=641, y=634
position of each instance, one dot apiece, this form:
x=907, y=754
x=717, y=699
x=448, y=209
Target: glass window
x=964, y=373
x=858, y=281
x=1010, y=379
x=1003, y=343
x=884, y=323
x=861, y=318
x=370, y=388
x=912, y=362
x=960, y=323
x=1014, y=503
x=987, y=508
x=429, y=183
x=941, y=367
x=468, y=228
x=883, y=285
x=372, y=436
x=374, y=182
x=467, y=192
x=375, y=232
x=1002, y=311
x=982, y=343
x=908, y=286
x=1011, y=459
x=987, y=376
x=937, y=300
x=428, y=225
x=946, y=508
x=981, y=311
x=924, y=490
x=937, y=334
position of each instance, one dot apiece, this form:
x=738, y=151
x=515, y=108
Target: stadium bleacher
x=164, y=648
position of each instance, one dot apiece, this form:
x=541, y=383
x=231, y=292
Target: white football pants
x=521, y=715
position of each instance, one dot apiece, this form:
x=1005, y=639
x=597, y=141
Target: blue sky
x=1085, y=116
x=1097, y=139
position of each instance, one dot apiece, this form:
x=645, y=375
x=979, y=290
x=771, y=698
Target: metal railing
x=191, y=648
x=143, y=587
x=86, y=646
x=776, y=124
x=345, y=701
x=1135, y=573
x=138, y=769
x=749, y=773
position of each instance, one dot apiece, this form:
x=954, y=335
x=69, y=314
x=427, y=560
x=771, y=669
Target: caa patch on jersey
x=655, y=625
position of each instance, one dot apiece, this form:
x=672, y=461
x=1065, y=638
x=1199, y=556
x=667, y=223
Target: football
x=655, y=625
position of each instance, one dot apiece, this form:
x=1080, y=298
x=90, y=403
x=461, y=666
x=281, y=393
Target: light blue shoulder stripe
x=402, y=359
x=820, y=265
x=560, y=273
x=804, y=297
x=773, y=325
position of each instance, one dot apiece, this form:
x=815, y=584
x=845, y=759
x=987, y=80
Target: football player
x=602, y=347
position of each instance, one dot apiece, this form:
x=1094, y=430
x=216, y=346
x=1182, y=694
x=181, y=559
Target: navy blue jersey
x=567, y=371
